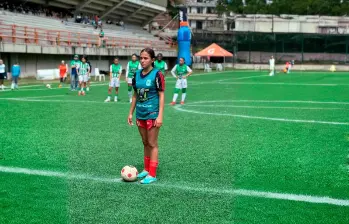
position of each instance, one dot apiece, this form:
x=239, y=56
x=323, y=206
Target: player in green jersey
x=115, y=74
x=83, y=75
x=181, y=72
x=161, y=64
x=132, y=67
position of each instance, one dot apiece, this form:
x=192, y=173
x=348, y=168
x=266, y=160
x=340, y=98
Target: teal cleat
x=148, y=180
x=143, y=174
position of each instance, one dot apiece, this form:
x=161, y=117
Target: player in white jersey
x=115, y=74
x=272, y=66
x=2, y=74
x=181, y=72
x=83, y=75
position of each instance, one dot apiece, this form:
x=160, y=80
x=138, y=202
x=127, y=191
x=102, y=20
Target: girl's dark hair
x=84, y=56
x=134, y=55
x=159, y=55
x=151, y=53
x=116, y=58
x=182, y=58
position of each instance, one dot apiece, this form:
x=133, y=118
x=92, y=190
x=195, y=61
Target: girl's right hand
x=129, y=120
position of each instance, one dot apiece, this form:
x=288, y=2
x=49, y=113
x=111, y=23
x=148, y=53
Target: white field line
x=62, y=101
x=44, y=88
x=248, y=77
x=261, y=118
x=30, y=97
x=266, y=107
x=230, y=192
x=271, y=101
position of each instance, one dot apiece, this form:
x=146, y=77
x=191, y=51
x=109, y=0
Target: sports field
x=246, y=148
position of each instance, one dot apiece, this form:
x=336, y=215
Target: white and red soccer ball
x=129, y=173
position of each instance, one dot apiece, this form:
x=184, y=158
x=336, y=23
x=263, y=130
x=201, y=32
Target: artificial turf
x=238, y=130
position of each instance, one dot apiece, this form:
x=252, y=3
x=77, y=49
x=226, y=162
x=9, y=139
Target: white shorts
x=83, y=78
x=272, y=67
x=129, y=80
x=115, y=82
x=181, y=84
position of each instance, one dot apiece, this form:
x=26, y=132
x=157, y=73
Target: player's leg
x=117, y=85
x=72, y=82
x=13, y=83
x=143, y=132
x=129, y=89
x=80, y=84
x=16, y=82
x=76, y=81
x=60, y=82
x=2, y=77
x=88, y=83
x=111, y=85
x=152, y=137
x=176, y=91
x=184, y=90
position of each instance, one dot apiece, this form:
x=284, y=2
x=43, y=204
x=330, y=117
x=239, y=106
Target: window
x=199, y=25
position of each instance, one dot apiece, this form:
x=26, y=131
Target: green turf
x=203, y=152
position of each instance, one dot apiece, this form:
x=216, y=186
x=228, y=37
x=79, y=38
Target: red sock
x=146, y=163
x=152, y=168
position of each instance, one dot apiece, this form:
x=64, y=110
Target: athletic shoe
x=79, y=93
x=182, y=102
x=148, y=180
x=60, y=86
x=173, y=103
x=143, y=174
x=87, y=89
x=107, y=100
x=130, y=100
x=115, y=100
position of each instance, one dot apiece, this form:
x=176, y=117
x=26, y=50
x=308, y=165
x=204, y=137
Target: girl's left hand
x=158, y=122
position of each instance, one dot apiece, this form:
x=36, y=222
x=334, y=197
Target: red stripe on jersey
x=161, y=84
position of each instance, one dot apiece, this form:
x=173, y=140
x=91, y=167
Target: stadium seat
x=97, y=74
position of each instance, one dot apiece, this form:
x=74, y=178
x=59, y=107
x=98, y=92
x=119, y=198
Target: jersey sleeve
x=189, y=69
x=173, y=71
x=127, y=68
x=165, y=66
x=160, y=81
x=111, y=68
x=134, y=84
x=120, y=70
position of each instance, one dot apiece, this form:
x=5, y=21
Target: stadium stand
x=28, y=28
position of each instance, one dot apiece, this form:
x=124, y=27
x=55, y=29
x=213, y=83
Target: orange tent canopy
x=214, y=51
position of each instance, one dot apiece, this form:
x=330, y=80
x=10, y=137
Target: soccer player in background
x=149, y=100
x=89, y=75
x=132, y=67
x=83, y=75
x=272, y=66
x=160, y=64
x=63, y=69
x=2, y=74
x=115, y=74
x=15, y=72
x=181, y=72
x=75, y=65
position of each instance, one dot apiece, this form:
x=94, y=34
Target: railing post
x=36, y=37
x=13, y=33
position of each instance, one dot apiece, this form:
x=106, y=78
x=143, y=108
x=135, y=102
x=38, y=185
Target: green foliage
x=297, y=7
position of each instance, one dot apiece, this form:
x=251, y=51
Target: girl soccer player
x=132, y=67
x=160, y=64
x=115, y=74
x=2, y=74
x=149, y=98
x=83, y=75
x=63, y=68
x=181, y=72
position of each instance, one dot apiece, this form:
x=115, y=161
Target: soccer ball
x=48, y=86
x=129, y=173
